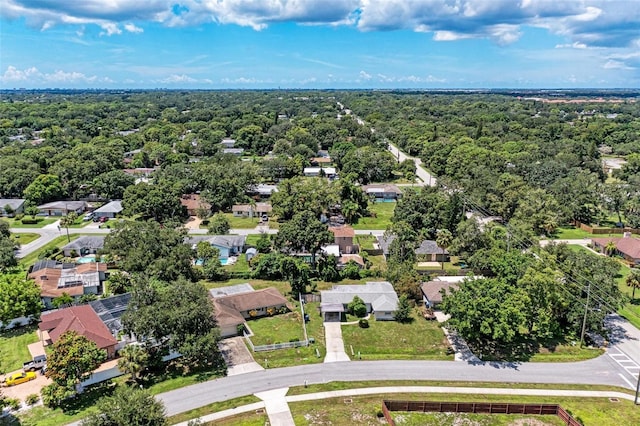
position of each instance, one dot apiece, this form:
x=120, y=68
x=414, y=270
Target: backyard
x=419, y=339
x=380, y=218
x=13, y=347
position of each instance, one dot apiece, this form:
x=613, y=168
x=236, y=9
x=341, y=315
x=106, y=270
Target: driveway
x=334, y=342
x=237, y=356
x=25, y=389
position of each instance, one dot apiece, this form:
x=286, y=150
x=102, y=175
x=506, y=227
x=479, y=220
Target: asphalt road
x=602, y=370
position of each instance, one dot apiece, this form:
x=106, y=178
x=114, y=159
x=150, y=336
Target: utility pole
x=584, y=319
x=637, y=390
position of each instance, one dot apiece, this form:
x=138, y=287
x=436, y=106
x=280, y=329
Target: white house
x=379, y=297
x=329, y=172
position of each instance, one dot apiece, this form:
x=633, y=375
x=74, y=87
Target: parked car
x=103, y=219
x=87, y=217
x=18, y=378
x=35, y=364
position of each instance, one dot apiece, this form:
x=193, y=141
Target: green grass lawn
x=420, y=339
x=57, y=242
x=383, y=213
x=24, y=238
x=365, y=241
x=42, y=222
x=283, y=328
x=13, y=347
x=361, y=410
x=631, y=310
x=241, y=265
x=213, y=408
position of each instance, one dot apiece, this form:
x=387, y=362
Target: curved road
x=601, y=370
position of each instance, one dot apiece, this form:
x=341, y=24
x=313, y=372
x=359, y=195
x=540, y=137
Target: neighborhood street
x=602, y=370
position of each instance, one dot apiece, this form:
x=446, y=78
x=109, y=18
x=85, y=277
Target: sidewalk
x=385, y=390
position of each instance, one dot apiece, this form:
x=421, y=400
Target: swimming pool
x=200, y=262
x=86, y=259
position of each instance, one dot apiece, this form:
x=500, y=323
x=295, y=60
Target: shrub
x=30, y=221
x=13, y=403
x=357, y=307
x=32, y=399
x=19, y=216
x=363, y=323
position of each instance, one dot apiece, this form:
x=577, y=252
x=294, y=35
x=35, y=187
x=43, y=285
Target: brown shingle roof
x=431, y=290
x=48, y=279
x=81, y=319
x=193, y=202
x=258, y=208
x=342, y=231
x=627, y=245
x=228, y=308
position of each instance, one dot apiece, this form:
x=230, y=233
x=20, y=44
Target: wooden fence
x=599, y=231
x=476, y=407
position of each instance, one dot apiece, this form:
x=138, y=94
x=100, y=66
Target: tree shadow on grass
x=88, y=398
x=519, y=351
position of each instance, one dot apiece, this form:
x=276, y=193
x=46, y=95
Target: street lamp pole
x=635, y=401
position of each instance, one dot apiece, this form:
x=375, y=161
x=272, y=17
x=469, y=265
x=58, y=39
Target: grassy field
x=423, y=419
x=420, y=339
x=214, y=408
x=241, y=265
x=25, y=238
x=382, y=212
x=365, y=241
x=43, y=221
x=13, y=347
x=277, y=329
x=362, y=410
x=57, y=242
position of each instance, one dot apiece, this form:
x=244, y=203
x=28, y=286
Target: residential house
x=228, y=143
x=381, y=192
x=627, y=246
x=231, y=289
x=428, y=251
x=16, y=206
x=56, y=279
x=62, y=208
x=110, y=311
x=262, y=191
x=233, y=151
x=251, y=210
x=432, y=291
x=140, y=171
x=228, y=245
x=193, y=202
x=346, y=258
x=86, y=244
x=328, y=172
x=81, y=319
x=320, y=161
x=343, y=237
x=234, y=309
x=110, y=210
x=379, y=297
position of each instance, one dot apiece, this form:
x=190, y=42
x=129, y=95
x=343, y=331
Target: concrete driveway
x=23, y=390
x=334, y=342
x=237, y=356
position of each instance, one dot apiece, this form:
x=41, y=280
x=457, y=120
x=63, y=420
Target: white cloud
x=175, y=78
x=33, y=76
x=612, y=64
x=364, y=75
x=132, y=28
x=574, y=45
x=110, y=29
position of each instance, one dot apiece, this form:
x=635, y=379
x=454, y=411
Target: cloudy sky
x=213, y=44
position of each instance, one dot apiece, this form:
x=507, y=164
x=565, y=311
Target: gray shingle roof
x=380, y=295
x=86, y=241
x=430, y=247
x=114, y=206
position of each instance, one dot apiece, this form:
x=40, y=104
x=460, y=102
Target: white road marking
x=626, y=380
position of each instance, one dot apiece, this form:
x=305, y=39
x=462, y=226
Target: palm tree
x=133, y=360
x=633, y=280
x=443, y=240
x=67, y=221
x=610, y=248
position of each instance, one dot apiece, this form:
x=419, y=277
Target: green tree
x=263, y=245
x=297, y=272
x=177, y=317
x=443, y=240
x=72, y=359
x=67, y=221
x=119, y=282
x=303, y=232
x=43, y=189
x=62, y=301
x=219, y=224
x=128, y=406
x=133, y=361
x=4, y=229
x=357, y=307
x=19, y=297
x=328, y=268
x=112, y=185
x=7, y=254
x=633, y=281
x=158, y=201
x=403, y=313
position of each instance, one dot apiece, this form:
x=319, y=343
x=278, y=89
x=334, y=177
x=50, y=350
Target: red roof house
x=81, y=319
x=627, y=246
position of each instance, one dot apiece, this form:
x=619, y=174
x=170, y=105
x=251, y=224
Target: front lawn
x=13, y=347
x=280, y=328
x=25, y=238
x=420, y=339
x=534, y=351
x=57, y=242
x=380, y=218
x=42, y=221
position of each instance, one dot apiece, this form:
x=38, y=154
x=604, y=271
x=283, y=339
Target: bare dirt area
x=193, y=223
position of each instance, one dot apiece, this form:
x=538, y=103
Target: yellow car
x=17, y=378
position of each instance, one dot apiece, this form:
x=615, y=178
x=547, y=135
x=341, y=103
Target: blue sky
x=215, y=44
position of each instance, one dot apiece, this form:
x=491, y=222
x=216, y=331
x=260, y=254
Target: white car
x=87, y=217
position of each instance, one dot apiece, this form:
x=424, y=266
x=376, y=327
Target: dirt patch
x=235, y=352
x=193, y=223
